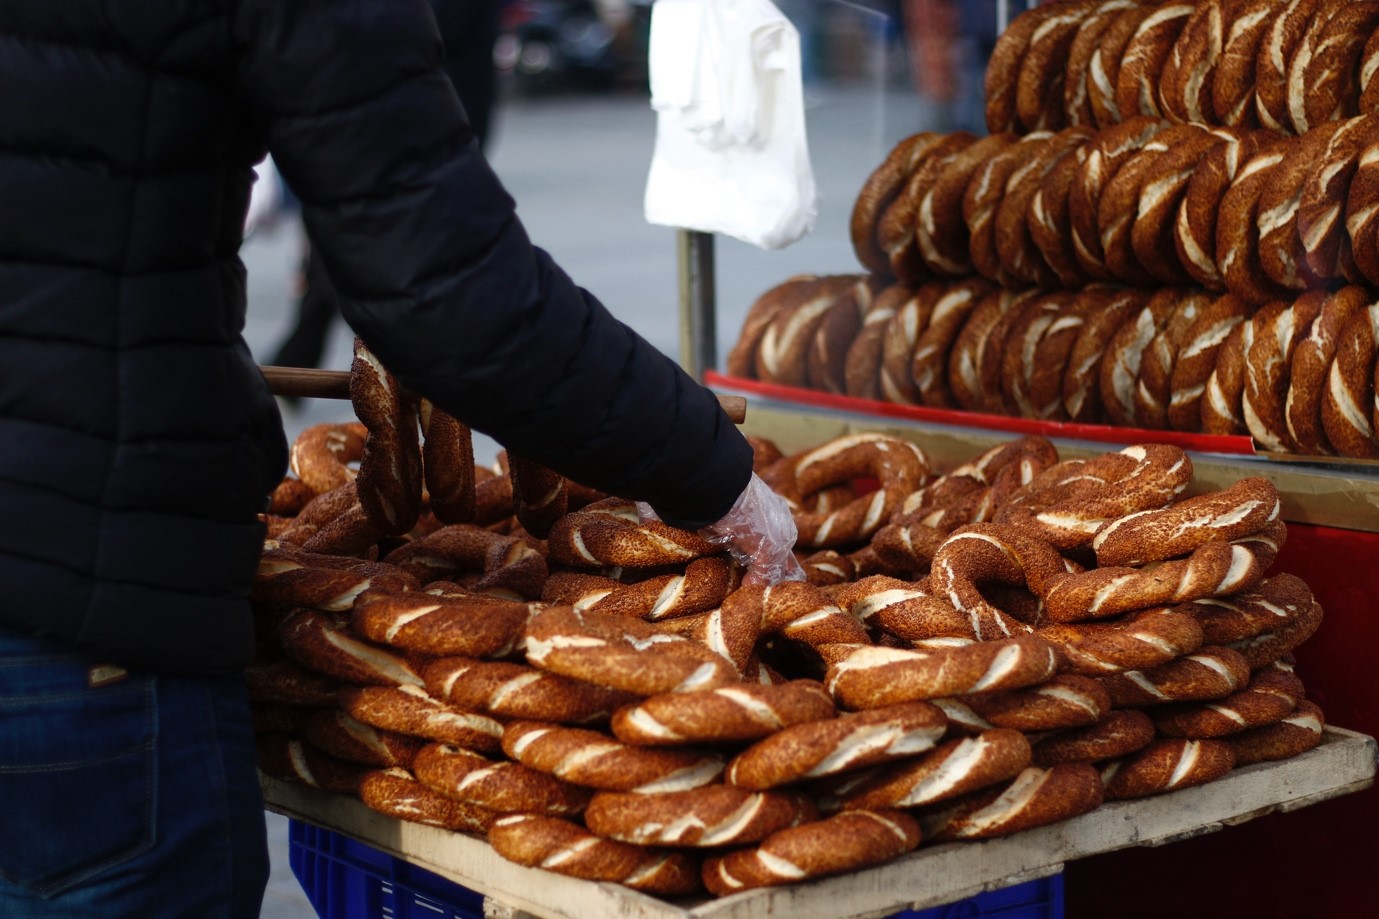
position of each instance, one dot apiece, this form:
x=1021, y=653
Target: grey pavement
x=577, y=168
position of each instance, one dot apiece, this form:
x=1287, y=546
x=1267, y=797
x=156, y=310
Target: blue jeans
x=124, y=794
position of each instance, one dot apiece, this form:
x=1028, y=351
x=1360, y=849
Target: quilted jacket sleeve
x=436, y=273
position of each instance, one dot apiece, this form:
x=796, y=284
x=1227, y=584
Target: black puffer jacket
x=137, y=439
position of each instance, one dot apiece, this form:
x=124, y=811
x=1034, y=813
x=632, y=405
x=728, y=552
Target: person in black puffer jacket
x=140, y=440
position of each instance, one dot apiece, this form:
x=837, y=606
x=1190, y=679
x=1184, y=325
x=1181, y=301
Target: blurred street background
x=572, y=136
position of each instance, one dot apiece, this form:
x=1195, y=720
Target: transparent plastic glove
x=759, y=533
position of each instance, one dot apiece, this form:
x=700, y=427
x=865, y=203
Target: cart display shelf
x=933, y=875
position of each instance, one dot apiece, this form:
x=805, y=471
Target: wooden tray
x=1343, y=763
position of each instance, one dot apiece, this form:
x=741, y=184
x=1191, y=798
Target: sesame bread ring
x=1167, y=765
x=1039, y=88
x=1279, y=327
x=896, y=231
x=1048, y=218
x=1185, y=82
x=1120, y=366
x=1202, y=341
x=874, y=677
x=511, y=690
x=828, y=568
x=895, y=380
x=1265, y=648
x=1036, y=797
x=1110, y=309
x=979, y=345
x=1120, y=733
x=801, y=612
x=1348, y=402
x=742, y=358
x=826, y=362
x=782, y=355
x=731, y=631
x=929, y=363
x=390, y=474
x=1063, y=701
x=1270, y=696
x=437, y=626
x=288, y=683
x=622, y=654
x=1022, y=342
x=610, y=532
x=878, y=193
x=539, y=495
x=318, y=512
x=503, y=566
x=1207, y=673
x=904, y=608
x=1282, y=249
x=1275, y=57
x=335, y=732
x=1237, y=225
x=1151, y=536
x=1144, y=59
x=940, y=233
x=291, y=759
x=1297, y=733
x=898, y=466
x=1326, y=246
x=396, y=793
x=951, y=769
x=1153, y=389
x=849, y=742
x=1367, y=67
x=288, y=576
x=321, y=456
x=1105, y=64
x=1269, y=607
x=497, y=785
x=985, y=553
x=1233, y=83
x=1160, y=201
x=1221, y=400
x=1046, y=374
x=1077, y=106
x=702, y=586
x=447, y=454
x=744, y=712
x=1021, y=263
x=862, y=364
x=1301, y=61
x=982, y=200
x=289, y=497
x=1141, y=641
x=1002, y=79
x=410, y=710
x=1194, y=226
x=324, y=644
x=715, y=815
x=841, y=843
x=1118, y=204
x=595, y=760
x=557, y=845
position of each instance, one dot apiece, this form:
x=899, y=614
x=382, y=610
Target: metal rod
x=698, y=331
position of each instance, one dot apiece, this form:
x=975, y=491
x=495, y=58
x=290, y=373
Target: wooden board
x=1343, y=763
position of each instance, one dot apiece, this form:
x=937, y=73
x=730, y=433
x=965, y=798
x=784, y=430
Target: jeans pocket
x=77, y=772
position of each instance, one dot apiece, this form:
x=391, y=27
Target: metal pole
x=698, y=302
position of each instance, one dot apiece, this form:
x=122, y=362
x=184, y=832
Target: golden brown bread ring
x=875, y=677
x=1348, y=402
x=826, y=361
x=1298, y=65
x=497, y=785
x=1036, y=797
x=1167, y=765
x=318, y=512
x=984, y=553
x=1271, y=695
x=801, y=612
x=1139, y=641
x=1202, y=341
x=609, y=532
x=1237, y=226
x=1274, y=60
x=940, y=232
x=878, y=192
x=1207, y=673
x=553, y=844
x=511, y=690
x=1326, y=246
x=622, y=654
x=1021, y=343
x=929, y=362
x=1124, y=355
x=596, y=760
x=847, y=743
x=896, y=233
x=1105, y=156
x=1120, y=733
x=1233, y=84
x=1039, y=86
x=1104, y=66
x=438, y=626
x=321, y=455
x=841, y=843
x=906, y=609
x=1278, y=329
x=978, y=344
x=1267, y=647
x=337, y=733
x=895, y=380
x=1120, y=199
x=1110, y=309
x=1367, y=67
x=540, y=496
x=1153, y=389
x=951, y=769
x=288, y=576
x=289, y=497
x=396, y=793
x=1244, y=507
x=1077, y=105
x=1362, y=212
x=291, y=759
x=742, y=358
x=390, y=474
x=702, y=586
x=1269, y=607
x=1297, y=733
x=409, y=709
x=287, y=683
x=324, y=644
x=897, y=465
x=447, y=454
x=503, y=566
x=1194, y=227
x=782, y=355
x=1331, y=79
x=715, y=815
x=742, y=712
x=1063, y=701
x=1144, y=59
x=1160, y=202
x=1185, y=82
x=1282, y=250
x=1020, y=261
x=982, y=200
x=1002, y=79
x=1221, y=400
x=862, y=364
x=828, y=568
x=1048, y=218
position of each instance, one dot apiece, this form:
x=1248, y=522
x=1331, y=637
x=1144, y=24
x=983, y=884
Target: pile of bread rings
x=994, y=648
x=1172, y=224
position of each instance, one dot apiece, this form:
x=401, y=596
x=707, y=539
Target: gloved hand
x=759, y=533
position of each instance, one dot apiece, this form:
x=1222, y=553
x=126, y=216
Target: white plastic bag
x=732, y=154
x=265, y=197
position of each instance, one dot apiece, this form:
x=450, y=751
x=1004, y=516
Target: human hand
x=759, y=533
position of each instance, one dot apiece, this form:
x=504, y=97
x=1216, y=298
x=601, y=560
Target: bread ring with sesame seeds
x=736, y=713
x=507, y=689
x=1269, y=607
x=596, y=760
x=491, y=563
x=1287, y=28
x=437, y=626
x=1139, y=641
x=1112, y=308
x=929, y=362
x=986, y=191
x=325, y=644
x=953, y=768
x=1267, y=647
x=897, y=465
x=1144, y=59
x=862, y=364
x=1238, y=224
x=940, y=232
x=497, y=785
x=1270, y=696
x=1201, y=342
x=396, y=793
x=1167, y=764
x=1105, y=64
x=1185, y=82
x=1020, y=260
x=1221, y=400
x=564, y=847
x=1039, y=87
x=390, y=474
x=783, y=351
x=880, y=190
x=411, y=710
x=1153, y=391
x=610, y=532
x=985, y=553
x=1036, y=797
x=336, y=732
x=1077, y=106
x=292, y=759
x=322, y=455
x=1310, y=365
x=1207, y=673
x=742, y=358
x=1244, y=507
x=896, y=231
x=910, y=316
x=1326, y=245
x=1124, y=356
x=288, y=576
x=1348, y=402
x=1065, y=700
x=1122, y=732
x=1233, y=83
x=708, y=817
x=1194, y=225
x=1297, y=733
x=826, y=361
x=1001, y=82
x=1279, y=327
x=974, y=364
x=447, y=455
x=1160, y=201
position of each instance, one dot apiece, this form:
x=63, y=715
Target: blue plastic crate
x=345, y=879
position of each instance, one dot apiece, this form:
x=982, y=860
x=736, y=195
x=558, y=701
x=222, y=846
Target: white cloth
x=732, y=153
x=265, y=197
